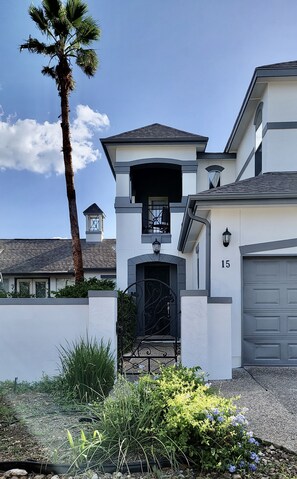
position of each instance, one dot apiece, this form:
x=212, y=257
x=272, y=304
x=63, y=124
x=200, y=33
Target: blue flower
x=254, y=456
x=215, y=411
x=242, y=464
x=232, y=468
x=252, y=440
x=209, y=416
x=220, y=419
x=252, y=467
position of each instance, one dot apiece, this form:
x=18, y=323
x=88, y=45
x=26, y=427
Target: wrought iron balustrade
x=156, y=219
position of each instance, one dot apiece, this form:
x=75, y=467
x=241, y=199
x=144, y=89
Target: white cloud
x=29, y=145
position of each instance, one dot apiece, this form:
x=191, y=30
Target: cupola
x=94, y=223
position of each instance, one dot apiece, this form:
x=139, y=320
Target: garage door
x=270, y=311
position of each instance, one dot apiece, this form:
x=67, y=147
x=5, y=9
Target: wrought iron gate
x=147, y=327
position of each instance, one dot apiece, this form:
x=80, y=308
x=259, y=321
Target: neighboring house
x=169, y=189
x=39, y=266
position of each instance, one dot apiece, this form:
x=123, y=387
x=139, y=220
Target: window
x=258, y=139
x=214, y=176
x=33, y=287
x=158, y=214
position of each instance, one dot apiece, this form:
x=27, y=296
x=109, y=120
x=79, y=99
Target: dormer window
x=258, y=140
x=214, y=176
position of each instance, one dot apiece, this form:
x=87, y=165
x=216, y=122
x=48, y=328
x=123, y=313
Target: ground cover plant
x=175, y=415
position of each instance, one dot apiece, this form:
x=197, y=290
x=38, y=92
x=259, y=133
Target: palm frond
x=52, y=9
x=88, y=31
x=50, y=71
x=87, y=60
x=75, y=11
x=38, y=17
x=35, y=46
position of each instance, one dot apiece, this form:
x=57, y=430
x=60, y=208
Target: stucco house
x=225, y=227
x=39, y=266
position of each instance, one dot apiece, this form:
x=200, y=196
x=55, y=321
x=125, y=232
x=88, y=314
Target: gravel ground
x=37, y=430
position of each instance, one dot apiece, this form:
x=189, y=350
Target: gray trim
x=162, y=258
x=245, y=164
x=269, y=245
x=102, y=294
x=214, y=168
x=178, y=207
x=279, y=125
x=218, y=300
x=123, y=204
x=44, y=301
x=150, y=237
x=121, y=168
x=194, y=292
x=189, y=168
x=216, y=156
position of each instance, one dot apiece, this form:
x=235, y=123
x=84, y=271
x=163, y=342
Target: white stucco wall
x=248, y=226
x=31, y=330
x=206, y=334
x=226, y=176
x=128, y=153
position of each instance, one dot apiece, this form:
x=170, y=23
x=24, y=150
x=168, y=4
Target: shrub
x=80, y=290
x=177, y=416
x=87, y=369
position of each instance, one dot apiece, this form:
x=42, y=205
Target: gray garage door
x=270, y=311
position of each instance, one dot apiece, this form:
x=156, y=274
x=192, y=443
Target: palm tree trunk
x=69, y=177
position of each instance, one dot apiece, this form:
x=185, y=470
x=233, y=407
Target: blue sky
x=183, y=63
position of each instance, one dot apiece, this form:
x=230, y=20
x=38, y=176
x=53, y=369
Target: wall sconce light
x=226, y=237
x=156, y=246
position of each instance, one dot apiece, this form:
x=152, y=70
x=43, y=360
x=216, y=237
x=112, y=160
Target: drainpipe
x=208, y=247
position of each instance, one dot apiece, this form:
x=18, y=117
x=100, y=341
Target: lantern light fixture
x=226, y=237
x=156, y=246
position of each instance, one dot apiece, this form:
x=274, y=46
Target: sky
x=183, y=63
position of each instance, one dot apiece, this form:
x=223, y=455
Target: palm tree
x=69, y=32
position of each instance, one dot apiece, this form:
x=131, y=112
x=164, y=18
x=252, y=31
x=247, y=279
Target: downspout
x=207, y=249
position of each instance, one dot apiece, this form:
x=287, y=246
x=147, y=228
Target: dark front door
x=157, y=316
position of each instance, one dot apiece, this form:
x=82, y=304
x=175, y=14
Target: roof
x=155, y=133
x=254, y=92
x=273, y=184
x=150, y=134
x=93, y=210
x=268, y=188
x=28, y=256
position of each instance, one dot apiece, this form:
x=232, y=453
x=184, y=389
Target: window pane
x=24, y=288
x=214, y=179
x=40, y=289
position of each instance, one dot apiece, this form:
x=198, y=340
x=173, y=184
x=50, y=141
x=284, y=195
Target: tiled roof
x=53, y=255
x=280, y=66
x=280, y=184
x=154, y=132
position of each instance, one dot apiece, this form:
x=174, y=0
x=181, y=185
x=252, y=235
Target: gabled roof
x=155, y=133
x=261, y=76
x=34, y=256
x=151, y=134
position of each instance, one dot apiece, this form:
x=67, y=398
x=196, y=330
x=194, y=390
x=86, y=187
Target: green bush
x=126, y=322
x=87, y=370
x=80, y=290
x=177, y=416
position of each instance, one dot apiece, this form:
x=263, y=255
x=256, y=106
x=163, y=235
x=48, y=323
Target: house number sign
x=226, y=263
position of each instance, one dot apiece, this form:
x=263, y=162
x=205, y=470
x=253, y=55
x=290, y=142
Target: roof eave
x=260, y=72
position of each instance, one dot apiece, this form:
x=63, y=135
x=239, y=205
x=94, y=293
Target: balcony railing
x=156, y=219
